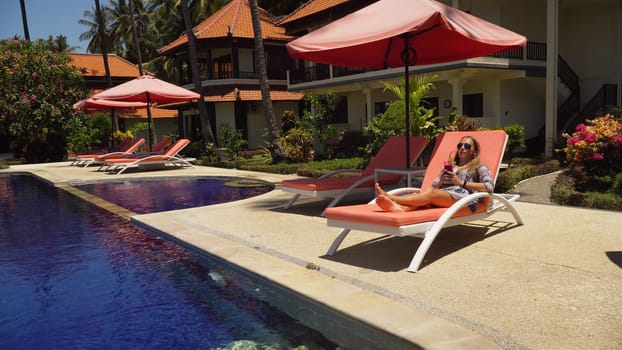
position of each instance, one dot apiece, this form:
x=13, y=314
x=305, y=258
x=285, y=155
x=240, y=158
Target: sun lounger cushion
x=374, y=215
x=333, y=183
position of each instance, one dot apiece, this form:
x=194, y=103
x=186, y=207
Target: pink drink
x=448, y=166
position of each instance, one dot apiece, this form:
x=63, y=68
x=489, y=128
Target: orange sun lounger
x=89, y=159
x=427, y=223
x=170, y=157
x=390, y=156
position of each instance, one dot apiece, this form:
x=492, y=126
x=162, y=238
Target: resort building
x=164, y=120
x=229, y=78
x=570, y=69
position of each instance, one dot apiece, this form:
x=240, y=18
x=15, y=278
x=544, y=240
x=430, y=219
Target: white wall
x=522, y=102
x=588, y=40
x=224, y=114
x=246, y=60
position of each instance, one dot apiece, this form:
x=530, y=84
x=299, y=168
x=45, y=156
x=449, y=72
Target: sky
x=45, y=18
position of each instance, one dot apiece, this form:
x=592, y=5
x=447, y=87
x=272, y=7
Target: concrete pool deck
x=553, y=283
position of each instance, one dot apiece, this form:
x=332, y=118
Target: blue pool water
x=154, y=195
x=73, y=276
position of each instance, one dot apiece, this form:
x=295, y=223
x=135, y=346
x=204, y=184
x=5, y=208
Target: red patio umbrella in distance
x=396, y=33
x=149, y=90
x=102, y=104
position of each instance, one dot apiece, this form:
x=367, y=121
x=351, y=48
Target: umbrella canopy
x=103, y=104
x=396, y=33
x=149, y=90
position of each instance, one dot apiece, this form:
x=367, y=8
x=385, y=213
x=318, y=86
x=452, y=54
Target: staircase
x=603, y=102
x=569, y=109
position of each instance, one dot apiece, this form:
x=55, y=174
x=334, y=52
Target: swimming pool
x=144, y=196
x=76, y=276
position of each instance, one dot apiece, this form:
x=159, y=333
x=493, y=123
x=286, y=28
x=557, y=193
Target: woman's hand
x=449, y=177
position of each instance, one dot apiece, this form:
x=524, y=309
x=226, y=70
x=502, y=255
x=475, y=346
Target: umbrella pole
x=406, y=59
x=149, y=121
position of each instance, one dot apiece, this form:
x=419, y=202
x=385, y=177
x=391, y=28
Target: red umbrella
x=149, y=90
x=102, y=104
x=396, y=33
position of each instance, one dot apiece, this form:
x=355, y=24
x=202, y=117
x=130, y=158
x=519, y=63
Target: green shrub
x=600, y=200
x=297, y=144
x=617, y=185
x=195, y=149
x=316, y=169
x=563, y=190
x=231, y=140
x=516, y=139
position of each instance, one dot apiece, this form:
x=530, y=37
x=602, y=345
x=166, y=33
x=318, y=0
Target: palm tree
x=24, y=20
x=101, y=30
x=275, y=148
x=196, y=79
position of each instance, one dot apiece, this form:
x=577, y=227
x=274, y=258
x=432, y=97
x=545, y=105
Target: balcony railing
x=273, y=74
x=532, y=51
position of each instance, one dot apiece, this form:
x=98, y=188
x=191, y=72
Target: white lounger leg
x=337, y=242
x=291, y=201
x=509, y=207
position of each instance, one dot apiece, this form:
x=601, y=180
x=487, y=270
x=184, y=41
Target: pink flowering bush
x=596, y=147
x=38, y=87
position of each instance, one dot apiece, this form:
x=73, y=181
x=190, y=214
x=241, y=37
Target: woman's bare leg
x=430, y=196
x=387, y=204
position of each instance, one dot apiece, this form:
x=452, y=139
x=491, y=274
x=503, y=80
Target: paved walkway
x=553, y=283
x=536, y=189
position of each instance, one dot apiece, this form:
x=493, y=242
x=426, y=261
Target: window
x=340, y=115
x=380, y=108
x=429, y=103
x=473, y=105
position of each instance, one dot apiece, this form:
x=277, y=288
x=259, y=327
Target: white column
x=456, y=94
x=550, y=125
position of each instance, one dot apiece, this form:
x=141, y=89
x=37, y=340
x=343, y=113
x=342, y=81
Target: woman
x=468, y=176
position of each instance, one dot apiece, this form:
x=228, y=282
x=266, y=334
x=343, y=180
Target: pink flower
x=34, y=74
x=598, y=156
x=581, y=127
x=33, y=97
x=590, y=137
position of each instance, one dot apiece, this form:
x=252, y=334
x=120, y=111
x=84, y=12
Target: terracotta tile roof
x=252, y=95
x=232, y=20
x=94, y=65
x=309, y=8
x=142, y=113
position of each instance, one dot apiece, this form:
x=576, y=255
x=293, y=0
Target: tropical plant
x=231, y=140
x=516, y=139
x=462, y=123
x=318, y=120
x=297, y=145
x=38, y=88
x=393, y=122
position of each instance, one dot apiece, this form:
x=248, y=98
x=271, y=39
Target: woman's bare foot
x=387, y=204
x=380, y=191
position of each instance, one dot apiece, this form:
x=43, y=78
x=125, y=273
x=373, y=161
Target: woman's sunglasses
x=467, y=146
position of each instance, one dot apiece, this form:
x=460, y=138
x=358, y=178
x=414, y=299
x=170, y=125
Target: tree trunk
x=206, y=129
x=24, y=20
x=102, y=40
x=275, y=148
